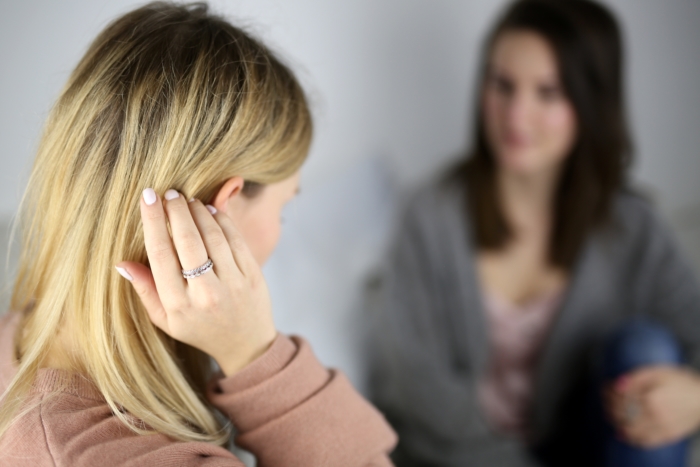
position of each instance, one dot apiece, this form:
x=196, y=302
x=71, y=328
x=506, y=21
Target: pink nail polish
x=171, y=194
x=621, y=383
x=211, y=209
x=149, y=196
x=125, y=274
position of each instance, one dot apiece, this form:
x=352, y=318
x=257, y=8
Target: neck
x=528, y=199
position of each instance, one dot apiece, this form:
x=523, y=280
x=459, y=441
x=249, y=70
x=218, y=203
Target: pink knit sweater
x=287, y=408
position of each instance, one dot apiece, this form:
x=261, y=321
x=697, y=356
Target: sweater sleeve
x=290, y=411
x=665, y=285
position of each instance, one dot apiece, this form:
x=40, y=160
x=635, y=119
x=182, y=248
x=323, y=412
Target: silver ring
x=196, y=272
x=632, y=410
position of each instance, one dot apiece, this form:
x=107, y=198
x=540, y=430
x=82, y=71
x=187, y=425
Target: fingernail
x=125, y=274
x=149, y=196
x=171, y=194
x=191, y=200
x=621, y=383
x=211, y=209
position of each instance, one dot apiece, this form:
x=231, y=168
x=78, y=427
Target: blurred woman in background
x=537, y=310
x=169, y=155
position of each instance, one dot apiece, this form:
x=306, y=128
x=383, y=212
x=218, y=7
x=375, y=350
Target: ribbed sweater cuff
x=280, y=353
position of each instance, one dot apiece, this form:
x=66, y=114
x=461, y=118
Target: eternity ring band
x=196, y=272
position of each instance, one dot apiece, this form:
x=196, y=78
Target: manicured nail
x=149, y=196
x=125, y=274
x=171, y=194
x=621, y=383
x=191, y=200
x=211, y=209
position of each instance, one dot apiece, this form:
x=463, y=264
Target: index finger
x=159, y=246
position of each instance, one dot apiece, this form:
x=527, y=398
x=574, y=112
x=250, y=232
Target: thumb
x=141, y=279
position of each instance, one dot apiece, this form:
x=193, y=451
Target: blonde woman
x=169, y=154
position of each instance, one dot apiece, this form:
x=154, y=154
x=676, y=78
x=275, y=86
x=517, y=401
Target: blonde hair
x=167, y=96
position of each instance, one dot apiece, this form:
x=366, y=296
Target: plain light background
x=391, y=84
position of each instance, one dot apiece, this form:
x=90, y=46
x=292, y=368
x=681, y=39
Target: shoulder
x=434, y=230
x=639, y=241
x=66, y=428
x=633, y=209
x=436, y=207
x=637, y=221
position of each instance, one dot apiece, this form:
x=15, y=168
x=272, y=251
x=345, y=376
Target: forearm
x=289, y=409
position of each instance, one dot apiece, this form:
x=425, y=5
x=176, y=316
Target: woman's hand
x=655, y=406
x=226, y=311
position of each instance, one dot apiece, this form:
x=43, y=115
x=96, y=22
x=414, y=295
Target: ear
x=230, y=189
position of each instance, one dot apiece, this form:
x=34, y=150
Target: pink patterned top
x=517, y=334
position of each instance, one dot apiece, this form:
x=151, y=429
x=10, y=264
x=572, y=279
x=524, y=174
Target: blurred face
x=530, y=124
x=259, y=218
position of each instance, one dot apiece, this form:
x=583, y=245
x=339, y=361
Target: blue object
x=639, y=343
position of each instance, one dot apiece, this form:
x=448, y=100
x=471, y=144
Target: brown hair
x=587, y=43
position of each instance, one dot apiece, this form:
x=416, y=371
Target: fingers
x=622, y=410
x=632, y=418
x=624, y=397
x=241, y=254
x=196, y=235
x=162, y=257
x=215, y=241
x=614, y=406
x=647, y=430
x=141, y=279
x=641, y=433
x=631, y=427
x=639, y=381
x=188, y=241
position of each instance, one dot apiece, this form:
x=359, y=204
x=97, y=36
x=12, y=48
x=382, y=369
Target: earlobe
x=231, y=188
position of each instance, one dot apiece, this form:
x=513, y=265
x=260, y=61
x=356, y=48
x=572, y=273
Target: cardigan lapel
x=470, y=333
x=586, y=312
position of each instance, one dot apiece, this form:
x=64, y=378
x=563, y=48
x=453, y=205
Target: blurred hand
x=225, y=312
x=655, y=406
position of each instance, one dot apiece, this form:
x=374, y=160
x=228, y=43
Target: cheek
x=492, y=109
x=262, y=234
x=559, y=130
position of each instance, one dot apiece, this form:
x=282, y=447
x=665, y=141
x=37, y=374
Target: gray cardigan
x=431, y=344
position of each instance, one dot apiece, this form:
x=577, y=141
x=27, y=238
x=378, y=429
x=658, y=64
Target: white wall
x=391, y=84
